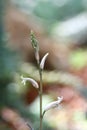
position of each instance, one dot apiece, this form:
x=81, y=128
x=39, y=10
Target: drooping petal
x=23, y=80
x=33, y=82
x=60, y=99
x=43, y=61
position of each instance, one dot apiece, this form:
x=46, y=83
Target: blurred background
x=60, y=27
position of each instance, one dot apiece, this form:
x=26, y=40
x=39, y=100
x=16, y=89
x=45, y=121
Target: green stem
x=40, y=89
x=40, y=94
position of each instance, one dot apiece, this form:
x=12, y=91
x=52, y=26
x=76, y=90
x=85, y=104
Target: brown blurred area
x=19, y=25
x=14, y=120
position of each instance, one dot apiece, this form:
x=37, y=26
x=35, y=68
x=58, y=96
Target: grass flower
x=33, y=82
x=54, y=104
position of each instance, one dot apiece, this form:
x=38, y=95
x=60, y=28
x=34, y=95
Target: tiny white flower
x=34, y=83
x=53, y=104
x=43, y=60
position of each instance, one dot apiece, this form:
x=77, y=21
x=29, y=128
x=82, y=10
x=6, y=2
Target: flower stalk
x=34, y=43
x=39, y=87
x=40, y=94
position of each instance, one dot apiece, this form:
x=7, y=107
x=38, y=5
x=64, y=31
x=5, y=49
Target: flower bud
x=34, y=42
x=43, y=61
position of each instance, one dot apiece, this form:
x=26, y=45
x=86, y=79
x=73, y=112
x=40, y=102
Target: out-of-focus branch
x=13, y=119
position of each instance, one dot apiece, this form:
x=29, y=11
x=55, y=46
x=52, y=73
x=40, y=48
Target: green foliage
x=51, y=12
x=78, y=59
x=58, y=10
